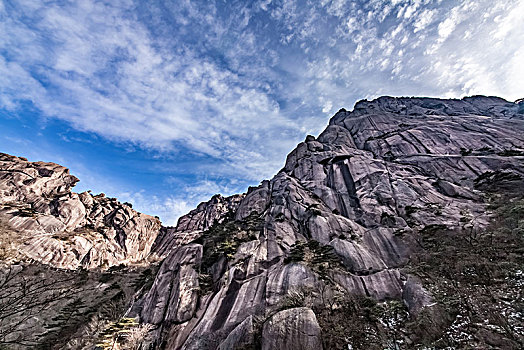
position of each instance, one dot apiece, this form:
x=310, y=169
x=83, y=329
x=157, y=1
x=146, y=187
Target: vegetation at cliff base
x=477, y=278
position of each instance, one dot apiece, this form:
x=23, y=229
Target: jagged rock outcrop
x=195, y=222
x=58, y=227
x=342, y=217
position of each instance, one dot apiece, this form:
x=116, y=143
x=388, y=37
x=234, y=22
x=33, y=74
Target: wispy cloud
x=96, y=66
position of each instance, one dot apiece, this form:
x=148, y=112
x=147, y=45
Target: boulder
x=292, y=329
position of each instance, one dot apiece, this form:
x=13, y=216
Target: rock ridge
x=58, y=227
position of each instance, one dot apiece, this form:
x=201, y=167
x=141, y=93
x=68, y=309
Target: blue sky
x=165, y=103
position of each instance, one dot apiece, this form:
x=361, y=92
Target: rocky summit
x=400, y=226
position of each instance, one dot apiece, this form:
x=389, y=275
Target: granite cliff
x=340, y=249
x=58, y=227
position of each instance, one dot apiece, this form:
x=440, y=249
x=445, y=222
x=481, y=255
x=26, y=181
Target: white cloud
x=169, y=209
x=109, y=76
x=474, y=60
x=433, y=48
x=509, y=21
x=264, y=4
x=446, y=27
x=424, y=20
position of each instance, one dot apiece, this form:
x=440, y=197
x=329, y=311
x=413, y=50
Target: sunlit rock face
x=342, y=216
x=58, y=227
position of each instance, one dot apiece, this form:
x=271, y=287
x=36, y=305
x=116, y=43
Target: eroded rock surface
x=242, y=337
x=58, y=227
x=293, y=329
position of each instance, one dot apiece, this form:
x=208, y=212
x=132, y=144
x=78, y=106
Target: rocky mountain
x=58, y=227
x=399, y=226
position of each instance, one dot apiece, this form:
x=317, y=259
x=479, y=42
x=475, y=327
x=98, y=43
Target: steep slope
x=58, y=227
x=343, y=217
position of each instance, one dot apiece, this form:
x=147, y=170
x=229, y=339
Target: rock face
x=241, y=337
x=342, y=216
x=292, y=329
x=174, y=296
x=58, y=227
x=196, y=221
